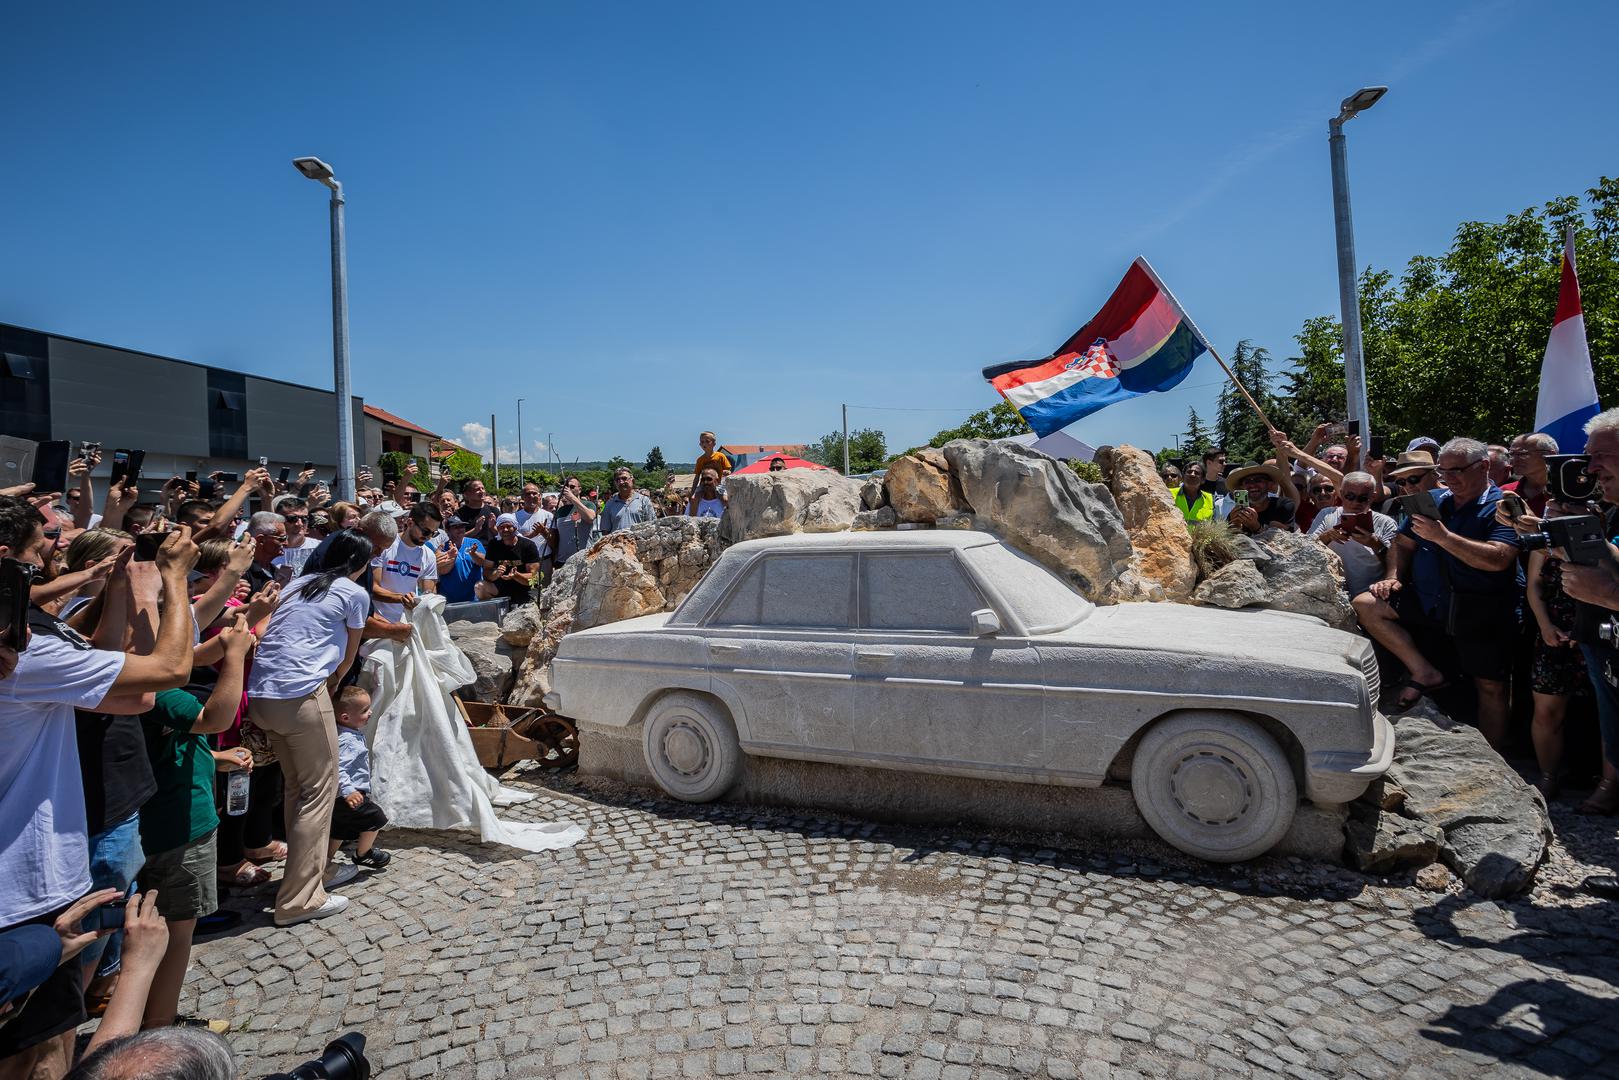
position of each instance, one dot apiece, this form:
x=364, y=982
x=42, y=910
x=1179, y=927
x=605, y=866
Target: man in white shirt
x=45, y=866
x=1365, y=552
x=534, y=523
x=299, y=544
x=407, y=566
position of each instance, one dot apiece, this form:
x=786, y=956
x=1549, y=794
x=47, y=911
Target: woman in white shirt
x=309, y=645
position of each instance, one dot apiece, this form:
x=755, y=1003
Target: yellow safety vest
x=1201, y=508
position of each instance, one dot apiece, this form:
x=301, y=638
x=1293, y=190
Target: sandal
x=1403, y=706
x=277, y=852
x=246, y=876
x=1604, y=800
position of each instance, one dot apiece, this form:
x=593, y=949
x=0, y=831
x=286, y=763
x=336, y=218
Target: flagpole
x=1141, y=260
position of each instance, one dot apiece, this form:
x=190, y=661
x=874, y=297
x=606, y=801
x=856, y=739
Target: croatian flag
x=1139, y=343
x=1568, y=392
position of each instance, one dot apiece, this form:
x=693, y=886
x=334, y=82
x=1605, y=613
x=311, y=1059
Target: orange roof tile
x=397, y=421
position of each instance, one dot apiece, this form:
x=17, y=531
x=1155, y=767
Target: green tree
x=1195, y=439
x=868, y=450
x=999, y=422
x=1239, y=428
x=654, y=461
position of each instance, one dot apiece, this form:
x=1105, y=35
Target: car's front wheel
x=691, y=747
x=1214, y=785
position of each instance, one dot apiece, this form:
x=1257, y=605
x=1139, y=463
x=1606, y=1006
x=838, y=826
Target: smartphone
x=120, y=468
x=137, y=458
x=105, y=917
x=1514, y=505
x=308, y=465
x=286, y=473
x=263, y=461
x=1374, y=447
x=1361, y=522
x=191, y=476
x=50, y=465
x=146, y=545
x=1352, y=427
x=16, y=582
x=1239, y=497
x=1420, y=505
x=228, y=476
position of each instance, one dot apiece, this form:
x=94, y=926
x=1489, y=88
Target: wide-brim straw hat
x=1234, y=477
x=1413, y=461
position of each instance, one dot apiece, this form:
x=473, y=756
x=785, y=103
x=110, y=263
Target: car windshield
x=1040, y=599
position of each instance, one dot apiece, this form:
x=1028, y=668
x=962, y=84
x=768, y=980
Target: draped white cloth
x=424, y=770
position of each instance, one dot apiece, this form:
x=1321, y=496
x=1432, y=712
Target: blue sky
x=647, y=219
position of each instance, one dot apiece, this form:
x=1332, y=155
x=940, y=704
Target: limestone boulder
x=881, y=518
x=638, y=571
x=1496, y=829
x=1163, y=547
x=872, y=495
x=481, y=644
x=517, y=626
x=1038, y=505
x=791, y=501
x=1302, y=575
x=1237, y=584
x=918, y=486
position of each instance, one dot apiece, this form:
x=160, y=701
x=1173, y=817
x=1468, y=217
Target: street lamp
x=343, y=483
x=1348, y=291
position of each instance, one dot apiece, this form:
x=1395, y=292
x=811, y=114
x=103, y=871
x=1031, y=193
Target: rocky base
x=1107, y=812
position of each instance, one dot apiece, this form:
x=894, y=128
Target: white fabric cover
x=424, y=769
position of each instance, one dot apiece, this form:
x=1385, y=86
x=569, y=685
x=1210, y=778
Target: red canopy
x=763, y=464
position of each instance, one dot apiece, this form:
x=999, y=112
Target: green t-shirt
x=183, y=765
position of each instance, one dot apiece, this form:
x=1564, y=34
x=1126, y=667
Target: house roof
x=397, y=421
x=447, y=448
x=763, y=448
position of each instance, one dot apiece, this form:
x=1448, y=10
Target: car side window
x=916, y=592
x=787, y=591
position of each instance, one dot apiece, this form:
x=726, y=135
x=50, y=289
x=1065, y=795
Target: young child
x=355, y=818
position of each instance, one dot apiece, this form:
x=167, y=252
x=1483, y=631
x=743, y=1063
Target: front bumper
x=1340, y=776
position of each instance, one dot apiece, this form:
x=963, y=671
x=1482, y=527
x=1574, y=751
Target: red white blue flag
x=1568, y=391
x=1139, y=343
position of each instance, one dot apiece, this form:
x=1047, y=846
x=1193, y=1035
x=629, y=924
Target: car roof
x=878, y=540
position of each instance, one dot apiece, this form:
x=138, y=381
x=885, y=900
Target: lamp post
x=1348, y=290
x=519, y=446
x=343, y=483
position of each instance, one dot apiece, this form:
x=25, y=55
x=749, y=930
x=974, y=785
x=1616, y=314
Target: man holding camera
x=1454, y=589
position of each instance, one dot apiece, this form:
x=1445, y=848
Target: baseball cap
x=1419, y=442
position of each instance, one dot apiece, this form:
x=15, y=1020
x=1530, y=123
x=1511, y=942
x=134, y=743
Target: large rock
x=791, y=501
x=1163, y=546
x=1382, y=842
x=519, y=625
x=1038, y=505
x=1302, y=575
x=481, y=644
x=919, y=487
x=1495, y=826
x=1235, y=585
x=639, y=571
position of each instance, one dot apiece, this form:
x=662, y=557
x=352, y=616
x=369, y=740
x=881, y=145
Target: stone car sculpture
x=949, y=652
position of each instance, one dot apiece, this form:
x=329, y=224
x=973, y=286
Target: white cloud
x=475, y=435
x=533, y=454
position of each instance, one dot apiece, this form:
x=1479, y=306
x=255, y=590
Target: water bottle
x=236, y=793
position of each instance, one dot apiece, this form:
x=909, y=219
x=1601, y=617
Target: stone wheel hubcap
x=685, y=748
x=1212, y=787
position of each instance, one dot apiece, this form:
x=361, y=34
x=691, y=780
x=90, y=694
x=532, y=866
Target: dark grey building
x=186, y=416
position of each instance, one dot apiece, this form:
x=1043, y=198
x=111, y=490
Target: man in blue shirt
x=1452, y=598
x=457, y=572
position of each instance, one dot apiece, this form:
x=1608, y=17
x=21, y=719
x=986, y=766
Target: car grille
x=1368, y=667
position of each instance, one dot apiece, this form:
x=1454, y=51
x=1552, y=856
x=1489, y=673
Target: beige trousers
x=303, y=733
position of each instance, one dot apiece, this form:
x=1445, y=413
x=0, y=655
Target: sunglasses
x=1325, y=490
x=1354, y=497
x=1410, y=481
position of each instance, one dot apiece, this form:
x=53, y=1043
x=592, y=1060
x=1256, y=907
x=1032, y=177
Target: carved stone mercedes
x=949, y=652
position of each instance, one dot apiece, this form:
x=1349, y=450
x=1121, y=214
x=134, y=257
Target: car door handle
x=874, y=654
x=724, y=646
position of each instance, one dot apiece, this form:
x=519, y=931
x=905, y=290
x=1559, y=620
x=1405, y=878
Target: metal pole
x=343, y=482
x=846, y=440
x=494, y=448
x=519, y=446
x=1348, y=287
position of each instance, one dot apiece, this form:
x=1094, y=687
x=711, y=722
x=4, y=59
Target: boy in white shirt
x=406, y=566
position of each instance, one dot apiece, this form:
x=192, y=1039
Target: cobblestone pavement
x=683, y=941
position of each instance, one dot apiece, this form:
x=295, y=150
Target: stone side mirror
x=985, y=622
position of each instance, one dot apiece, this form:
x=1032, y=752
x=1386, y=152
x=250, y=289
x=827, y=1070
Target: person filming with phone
x=1449, y=603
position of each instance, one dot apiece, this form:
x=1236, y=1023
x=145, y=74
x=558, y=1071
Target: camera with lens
x=1567, y=479
x=343, y=1059
x=1580, y=536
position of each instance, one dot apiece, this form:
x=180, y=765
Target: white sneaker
x=332, y=906
x=340, y=874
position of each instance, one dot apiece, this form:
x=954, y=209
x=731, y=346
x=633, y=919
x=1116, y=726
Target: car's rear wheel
x=691, y=747
x=1214, y=785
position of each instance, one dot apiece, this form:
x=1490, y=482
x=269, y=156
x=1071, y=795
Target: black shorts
x=348, y=824
x=1486, y=650
x=57, y=1005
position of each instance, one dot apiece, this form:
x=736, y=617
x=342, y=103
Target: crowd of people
x=180, y=713
x=1447, y=570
